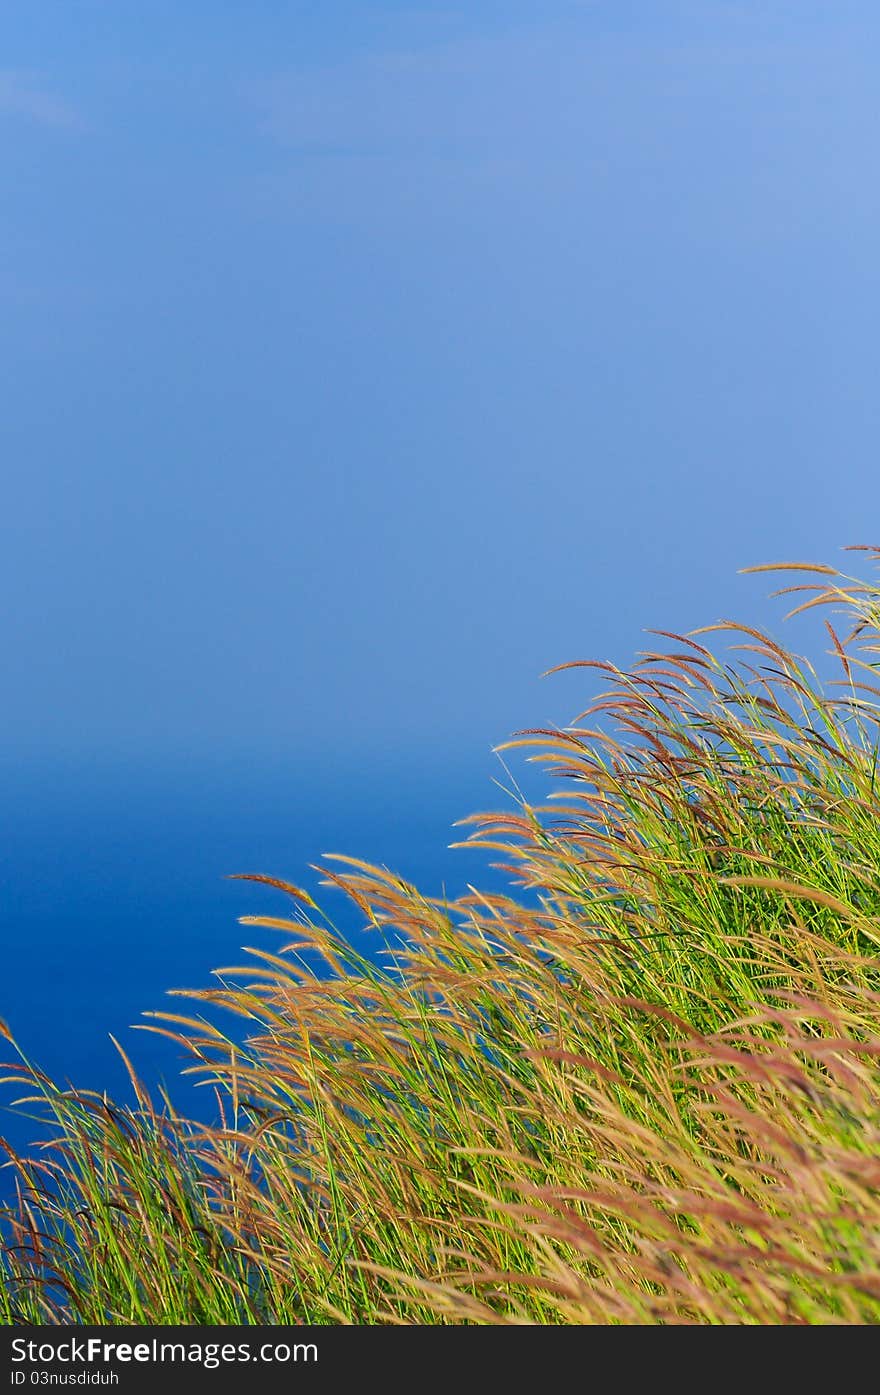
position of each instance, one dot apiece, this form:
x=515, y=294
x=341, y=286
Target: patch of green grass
x=641, y=1087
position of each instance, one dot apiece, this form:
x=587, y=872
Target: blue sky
x=362, y=361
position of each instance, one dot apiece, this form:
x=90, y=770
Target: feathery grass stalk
x=646, y=1091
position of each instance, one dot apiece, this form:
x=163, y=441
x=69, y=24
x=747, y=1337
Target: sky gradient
x=361, y=362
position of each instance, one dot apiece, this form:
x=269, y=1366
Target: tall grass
x=641, y=1087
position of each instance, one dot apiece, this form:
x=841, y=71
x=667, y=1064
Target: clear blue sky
x=360, y=361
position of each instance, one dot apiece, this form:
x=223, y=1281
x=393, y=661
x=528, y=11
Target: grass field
x=641, y=1087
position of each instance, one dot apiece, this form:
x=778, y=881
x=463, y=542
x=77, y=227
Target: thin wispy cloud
x=23, y=95
x=457, y=97
x=567, y=126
